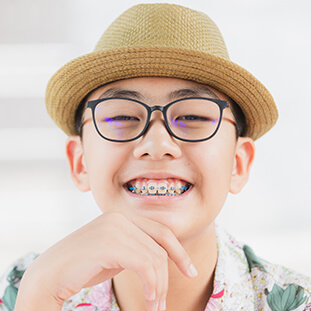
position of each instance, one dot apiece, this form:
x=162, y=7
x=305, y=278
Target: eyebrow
x=117, y=92
x=192, y=91
x=185, y=92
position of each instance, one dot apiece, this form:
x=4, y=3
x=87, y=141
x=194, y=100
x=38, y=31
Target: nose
x=157, y=142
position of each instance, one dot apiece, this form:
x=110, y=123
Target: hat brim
x=70, y=84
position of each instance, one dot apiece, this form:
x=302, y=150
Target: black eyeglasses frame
x=221, y=104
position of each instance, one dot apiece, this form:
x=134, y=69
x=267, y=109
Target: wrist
x=35, y=295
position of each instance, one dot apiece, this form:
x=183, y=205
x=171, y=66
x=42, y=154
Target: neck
x=183, y=294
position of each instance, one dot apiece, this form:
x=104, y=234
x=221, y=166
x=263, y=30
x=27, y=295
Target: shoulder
x=10, y=280
x=100, y=296
x=266, y=286
x=281, y=286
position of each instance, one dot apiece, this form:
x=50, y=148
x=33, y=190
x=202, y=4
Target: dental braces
x=133, y=189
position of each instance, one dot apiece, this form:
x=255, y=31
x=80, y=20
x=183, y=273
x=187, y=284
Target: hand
x=98, y=251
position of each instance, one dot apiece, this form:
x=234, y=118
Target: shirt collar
x=232, y=282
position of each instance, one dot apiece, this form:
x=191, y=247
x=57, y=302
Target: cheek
x=103, y=160
x=212, y=165
x=215, y=167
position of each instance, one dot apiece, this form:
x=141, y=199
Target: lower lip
x=158, y=199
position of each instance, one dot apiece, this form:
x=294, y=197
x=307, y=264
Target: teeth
x=137, y=187
x=152, y=188
x=178, y=188
x=144, y=189
x=161, y=188
x=171, y=188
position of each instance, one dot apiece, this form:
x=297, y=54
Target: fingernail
x=192, y=270
x=157, y=306
x=153, y=297
x=163, y=306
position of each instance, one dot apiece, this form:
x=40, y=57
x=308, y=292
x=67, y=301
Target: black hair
x=239, y=119
x=79, y=117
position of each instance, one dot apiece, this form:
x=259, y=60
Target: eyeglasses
x=192, y=119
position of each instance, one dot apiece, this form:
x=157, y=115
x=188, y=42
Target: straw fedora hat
x=164, y=40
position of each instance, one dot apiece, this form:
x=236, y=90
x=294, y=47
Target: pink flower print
x=213, y=304
x=88, y=307
x=99, y=297
x=308, y=307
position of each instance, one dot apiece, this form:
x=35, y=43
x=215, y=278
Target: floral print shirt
x=242, y=282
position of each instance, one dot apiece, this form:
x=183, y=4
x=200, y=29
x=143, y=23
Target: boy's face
x=214, y=167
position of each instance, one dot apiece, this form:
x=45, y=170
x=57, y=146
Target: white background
x=39, y=203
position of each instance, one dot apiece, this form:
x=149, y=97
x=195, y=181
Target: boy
x=160, y=177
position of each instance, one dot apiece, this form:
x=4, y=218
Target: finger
x=164, y=288
x=160, y=259
x=142, y=265
x=164, y=284
x=140, y=254
x=163, y=281
x=157, y=257
x=161, y=270
x=165, y=237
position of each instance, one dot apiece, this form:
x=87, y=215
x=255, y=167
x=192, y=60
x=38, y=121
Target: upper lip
x=162, y=175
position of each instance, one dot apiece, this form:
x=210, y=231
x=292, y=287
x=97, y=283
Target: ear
x=244, y=156
x=76, y=159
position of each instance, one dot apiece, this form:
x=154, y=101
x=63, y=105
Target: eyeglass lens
x=191, y=119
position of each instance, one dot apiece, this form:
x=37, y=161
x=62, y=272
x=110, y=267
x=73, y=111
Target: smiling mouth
x=158, y=188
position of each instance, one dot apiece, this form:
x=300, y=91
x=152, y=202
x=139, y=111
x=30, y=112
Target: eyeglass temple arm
x=231, y=121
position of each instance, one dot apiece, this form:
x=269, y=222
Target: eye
x=125, y=118
x=121, y=118
x=193, y=118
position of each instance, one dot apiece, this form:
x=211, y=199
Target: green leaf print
x=252, y=260
x=9, y=297
x=288, y=299
x=10, y=292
